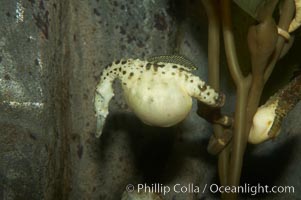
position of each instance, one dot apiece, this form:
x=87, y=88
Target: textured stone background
x=51, y=55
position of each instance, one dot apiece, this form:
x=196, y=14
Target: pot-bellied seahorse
x=157, y=90
x=268, y=118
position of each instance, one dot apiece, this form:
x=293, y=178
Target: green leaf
x=250, y=6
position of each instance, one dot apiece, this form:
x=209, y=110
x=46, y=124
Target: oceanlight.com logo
x=251, y=189
x=213, y=188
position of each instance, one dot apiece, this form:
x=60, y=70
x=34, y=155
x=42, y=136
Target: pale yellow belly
x=158, y=103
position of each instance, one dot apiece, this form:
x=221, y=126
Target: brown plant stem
x=229, y=42
x=242, y=86
x=213, y=43
x=214, y=74
x=254, y=99
x=223, y=164
x=239, y=141
x=284, y=22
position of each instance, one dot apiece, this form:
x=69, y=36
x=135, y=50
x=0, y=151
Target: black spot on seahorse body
x=148, y=66
x=123, y=62
x=117, y=62
x=202, y=88
x=156, y=67
x=186, y=77
x=131, y=75
x=182, y=69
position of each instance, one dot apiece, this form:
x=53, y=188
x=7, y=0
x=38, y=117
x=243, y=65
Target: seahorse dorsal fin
x=176, y=59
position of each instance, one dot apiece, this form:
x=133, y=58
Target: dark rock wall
x=24, y=120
